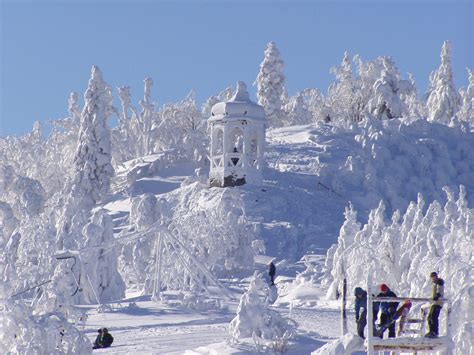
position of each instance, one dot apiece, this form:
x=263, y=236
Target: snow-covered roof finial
x=241, y=94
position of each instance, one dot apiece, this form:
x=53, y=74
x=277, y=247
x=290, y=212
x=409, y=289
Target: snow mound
x=346, y=345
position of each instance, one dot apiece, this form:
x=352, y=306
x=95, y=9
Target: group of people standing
x=390, y=312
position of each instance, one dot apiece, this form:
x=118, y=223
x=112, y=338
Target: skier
x=388, y=310
x=104, y=339
x=271, y=272
x=436, y=294
x=360, y=310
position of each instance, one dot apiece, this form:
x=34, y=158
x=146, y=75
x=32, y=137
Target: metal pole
x=370, y=315
x=158, y=262
x=343, y=307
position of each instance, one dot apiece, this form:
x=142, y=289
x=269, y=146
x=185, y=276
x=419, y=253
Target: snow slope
x=312, y=173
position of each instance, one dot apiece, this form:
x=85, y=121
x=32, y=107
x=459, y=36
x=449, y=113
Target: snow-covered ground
x=142, y=326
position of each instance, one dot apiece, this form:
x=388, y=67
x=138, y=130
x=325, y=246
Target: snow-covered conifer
x=93, y=156
x=388, y=90
x=102, y=282
x=466, y=113
x=270, y=85
x=256, y=319
x=297, y=111
x=443, y=98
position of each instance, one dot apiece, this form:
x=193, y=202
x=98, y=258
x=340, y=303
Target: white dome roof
x=238, y=106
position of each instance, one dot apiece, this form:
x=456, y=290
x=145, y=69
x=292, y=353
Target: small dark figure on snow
x=360, y=310
x=388, y=310
x=437, y=293
x=271, y=272
x=104, y=339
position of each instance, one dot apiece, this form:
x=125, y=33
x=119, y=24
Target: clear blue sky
x=48, y=47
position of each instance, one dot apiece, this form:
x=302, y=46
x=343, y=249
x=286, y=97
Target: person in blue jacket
x=387, y=311
x=360, y=310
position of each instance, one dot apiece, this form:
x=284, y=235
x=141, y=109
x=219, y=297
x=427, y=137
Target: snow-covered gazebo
x=237, y=140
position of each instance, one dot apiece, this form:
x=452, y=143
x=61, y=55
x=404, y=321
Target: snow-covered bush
x=404, y=251
x=256, y=319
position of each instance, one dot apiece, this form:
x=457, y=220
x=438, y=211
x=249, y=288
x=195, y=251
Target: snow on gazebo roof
x=238, y=106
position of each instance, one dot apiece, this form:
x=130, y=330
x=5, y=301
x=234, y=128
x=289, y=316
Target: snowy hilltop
x=100, y=223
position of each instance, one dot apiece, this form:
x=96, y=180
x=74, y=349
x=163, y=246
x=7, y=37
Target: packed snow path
x=154, y=328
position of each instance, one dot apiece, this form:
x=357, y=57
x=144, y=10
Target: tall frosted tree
x=92, y=162
x=271, y=85
x=93, y=157
x=466, y=113
x=443, y=98
x=345, y=99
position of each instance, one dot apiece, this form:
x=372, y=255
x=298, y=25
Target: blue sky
x=48, y=47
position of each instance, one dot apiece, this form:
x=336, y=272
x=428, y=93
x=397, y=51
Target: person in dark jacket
x=272, y=272
x=360, y=310
x=104, y=339
x=387, y=310
x=437, y=294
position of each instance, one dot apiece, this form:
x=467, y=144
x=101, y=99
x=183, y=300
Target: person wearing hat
x=388, y=310
x=104, y=339
x=437, y=294
x=360, y=306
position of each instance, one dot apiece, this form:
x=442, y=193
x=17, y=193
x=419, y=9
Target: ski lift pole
x=158, y=263
x=370, y=314
x=343, y=307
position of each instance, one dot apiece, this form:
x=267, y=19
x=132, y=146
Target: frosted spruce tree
x=92, y=163
x=104, y=283
x=443, y=98
x=466, y=113
x=297, y=111
x=256, y=319
x=387, y=101
x=271, y=85
x=93, y=158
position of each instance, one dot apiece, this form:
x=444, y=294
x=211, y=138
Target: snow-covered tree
x=388, y=90
x=134, y=136
x=297, y=111
x=102, y=281
x=344, y=96
x=223, y=96
x=270, y=84
x=255, y=318
x=403, y=254
x=93, y=168
x=443, y=98
x=183, y=128
x=466, y=113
